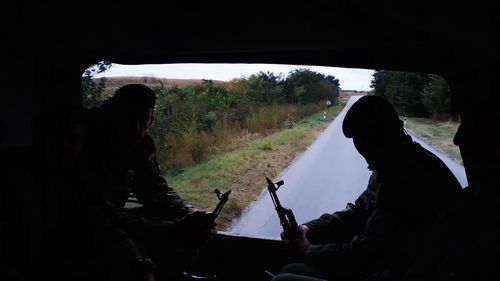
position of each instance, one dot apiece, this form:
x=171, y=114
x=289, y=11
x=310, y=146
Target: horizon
x=353, y=79
x=197, y=79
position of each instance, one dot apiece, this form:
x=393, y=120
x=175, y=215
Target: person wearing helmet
x=377, y=237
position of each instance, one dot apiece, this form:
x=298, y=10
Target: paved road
x=328, y=175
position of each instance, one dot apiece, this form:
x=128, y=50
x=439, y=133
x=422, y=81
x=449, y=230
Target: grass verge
x=436, y=133
x=244, y=170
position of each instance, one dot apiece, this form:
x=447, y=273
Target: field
x=252, y=157
x=113, y=83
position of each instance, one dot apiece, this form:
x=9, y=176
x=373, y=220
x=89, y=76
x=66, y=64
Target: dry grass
x=439, y=134
x=243, y=170
x=348, y=93
x=113, y=83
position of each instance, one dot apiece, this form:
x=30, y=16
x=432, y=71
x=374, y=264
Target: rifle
x=209, y=221
x=223, y=197
x=287, y=219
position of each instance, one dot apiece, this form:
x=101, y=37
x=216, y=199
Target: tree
x=379, y=82
x=305, y=86
x=93, y=89
x=436, y=97
x=265, y=88
x=402, y=89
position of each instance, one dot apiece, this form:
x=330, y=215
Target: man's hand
x=192, y=210
x=295, y=248
x=209, y=224
x=191, y=222
x=147, y=276
x=194, y=230
x=145, y=268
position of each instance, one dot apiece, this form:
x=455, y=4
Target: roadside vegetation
x=425, y=101
x=194, y=122
x=231, y=135
x=439, y=134
x=243, y=170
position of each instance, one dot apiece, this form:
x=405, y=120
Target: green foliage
x=196, y=121
x=266, y=146
x=414, y=94
x=305, y=86
x=402, y=89
x=241, y=169
x=436, y=97
x=265, y=118
x=269, y=87
x=93, y=89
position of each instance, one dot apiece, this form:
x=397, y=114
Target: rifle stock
x=286, y=216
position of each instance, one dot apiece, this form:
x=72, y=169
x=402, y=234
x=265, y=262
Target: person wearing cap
x=119, y=159
x=378, y=236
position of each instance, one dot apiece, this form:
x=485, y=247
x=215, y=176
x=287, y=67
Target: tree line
x=192, y=122
x=415, y=94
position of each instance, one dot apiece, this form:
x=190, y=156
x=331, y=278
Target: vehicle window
x=228, y=126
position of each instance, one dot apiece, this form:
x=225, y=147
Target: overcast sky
x=350, y=78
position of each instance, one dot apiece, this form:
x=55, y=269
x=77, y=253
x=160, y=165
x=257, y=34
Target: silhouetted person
x=118, y=159
x=22, y=208
x=464, y=242
x=13, y=237
x=3, y=131
x=378, y=236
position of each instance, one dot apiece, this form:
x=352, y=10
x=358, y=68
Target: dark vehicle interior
x=47, y=46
